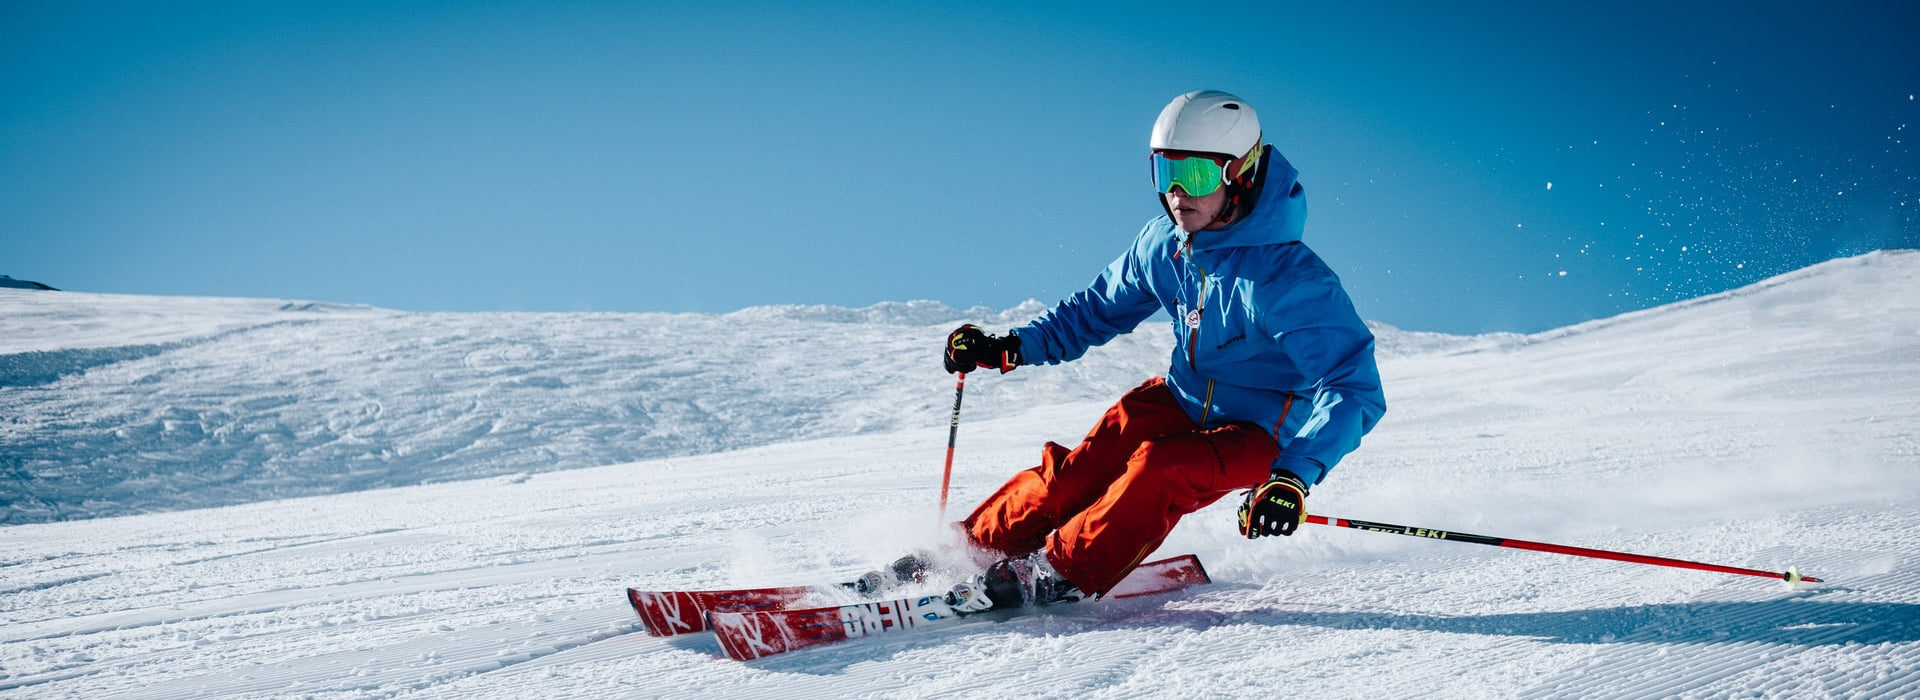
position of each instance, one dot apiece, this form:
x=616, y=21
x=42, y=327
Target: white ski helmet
x=1207, y=121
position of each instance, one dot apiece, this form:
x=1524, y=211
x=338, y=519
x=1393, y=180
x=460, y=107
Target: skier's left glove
x=969, y=347
x=1275, y=508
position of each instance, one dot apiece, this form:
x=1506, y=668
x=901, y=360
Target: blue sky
x=1514, y=166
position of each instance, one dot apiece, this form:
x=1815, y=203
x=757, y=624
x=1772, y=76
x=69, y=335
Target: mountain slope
x=133, y=404
x=1767, y=427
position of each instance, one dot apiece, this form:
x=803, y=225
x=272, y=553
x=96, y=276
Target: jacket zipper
x=1193, y=331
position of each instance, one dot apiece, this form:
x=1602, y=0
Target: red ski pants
x=1111, y=501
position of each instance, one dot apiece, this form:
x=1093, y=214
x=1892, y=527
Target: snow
x=258, y=498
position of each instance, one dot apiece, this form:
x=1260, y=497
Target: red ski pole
x=953, y=432
x=1791, y=576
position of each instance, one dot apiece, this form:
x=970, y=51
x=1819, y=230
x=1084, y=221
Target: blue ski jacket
x=1266, y=335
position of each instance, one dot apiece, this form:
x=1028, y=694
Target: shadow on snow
x=1789, y=621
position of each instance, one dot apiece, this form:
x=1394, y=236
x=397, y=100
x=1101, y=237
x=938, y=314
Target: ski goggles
x=1197, y=174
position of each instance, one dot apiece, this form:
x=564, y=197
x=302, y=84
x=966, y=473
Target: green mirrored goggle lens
x=1197, y=175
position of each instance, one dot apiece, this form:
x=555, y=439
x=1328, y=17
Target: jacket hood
x=1279, y=215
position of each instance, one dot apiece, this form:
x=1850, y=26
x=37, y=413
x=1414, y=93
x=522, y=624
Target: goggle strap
x=1248, y=160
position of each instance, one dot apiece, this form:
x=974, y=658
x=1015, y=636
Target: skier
x=1272, y=378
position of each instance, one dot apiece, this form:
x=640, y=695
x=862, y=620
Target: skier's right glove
x=969, y=347
x=1275, y=508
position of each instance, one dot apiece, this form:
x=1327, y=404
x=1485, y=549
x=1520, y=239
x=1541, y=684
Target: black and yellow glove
x=969, y=347
x=1275, y=508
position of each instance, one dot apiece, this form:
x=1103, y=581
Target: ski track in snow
x=1774, y=425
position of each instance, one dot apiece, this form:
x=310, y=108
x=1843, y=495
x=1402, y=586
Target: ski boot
x=904, y=571
x=1014, y=582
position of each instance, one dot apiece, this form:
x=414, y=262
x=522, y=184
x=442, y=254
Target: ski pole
x=1791, y=576
x=953, y=432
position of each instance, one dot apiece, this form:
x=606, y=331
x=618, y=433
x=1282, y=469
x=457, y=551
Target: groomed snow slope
x=1771, y=426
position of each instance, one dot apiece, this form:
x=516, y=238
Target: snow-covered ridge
x=118, y=404
x=1871, y=283
x=912, y=313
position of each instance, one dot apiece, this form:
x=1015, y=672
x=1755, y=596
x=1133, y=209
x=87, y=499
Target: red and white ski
x=755, y=633
x=667, y=613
